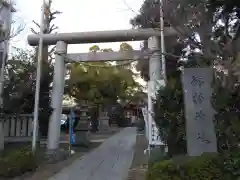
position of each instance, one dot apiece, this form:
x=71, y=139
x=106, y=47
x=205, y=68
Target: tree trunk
x=44, y=101
x=1, y=136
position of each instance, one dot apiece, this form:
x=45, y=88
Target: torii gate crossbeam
x=99, y=36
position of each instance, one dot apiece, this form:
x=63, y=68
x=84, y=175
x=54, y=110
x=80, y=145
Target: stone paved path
x=110, y=161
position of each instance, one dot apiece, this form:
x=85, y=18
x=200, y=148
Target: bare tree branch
x=13, y=32
x=18, y=30
x=52, y=28
x=37, y=24
x=137, y=13
x=33, y=31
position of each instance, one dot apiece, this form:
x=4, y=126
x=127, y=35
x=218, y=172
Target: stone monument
x=103, y=121
x=82, y=127
x=199, y=112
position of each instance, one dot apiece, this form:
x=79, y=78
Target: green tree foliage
x=125, y=47
x=19, y=84
x=101, y=82
x=191, y=17
x=169, y=115
x=212, y=28
x=226, y=103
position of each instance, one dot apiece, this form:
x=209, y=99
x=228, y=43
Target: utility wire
x=67, y=59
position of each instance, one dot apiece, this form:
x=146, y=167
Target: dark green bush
x=208, y=166
x=226, y=102
x=17, y=162
x=165, y=170
x=157, y=155
x=169, y=115
x=231, y=164
x=205, y=167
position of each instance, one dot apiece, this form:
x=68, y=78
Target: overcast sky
x=79, y=16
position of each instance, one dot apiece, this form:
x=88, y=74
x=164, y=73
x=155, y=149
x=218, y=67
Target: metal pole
x=38, y=78
x=162, y=43
x=149, y=115
x=69, y=132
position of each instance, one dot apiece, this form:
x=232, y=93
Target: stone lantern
x=82, y=127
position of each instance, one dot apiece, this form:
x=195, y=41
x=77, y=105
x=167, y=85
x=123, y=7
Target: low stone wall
x=17, y=128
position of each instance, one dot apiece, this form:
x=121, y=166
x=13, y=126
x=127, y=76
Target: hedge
x=208, y=166
x=17, y=162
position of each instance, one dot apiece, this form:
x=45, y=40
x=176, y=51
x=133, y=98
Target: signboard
x=199, y=113
x=145, y=117
x=154, y=138
x=72, y=136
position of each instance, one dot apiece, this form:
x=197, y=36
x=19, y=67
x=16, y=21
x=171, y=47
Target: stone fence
x=17, y=128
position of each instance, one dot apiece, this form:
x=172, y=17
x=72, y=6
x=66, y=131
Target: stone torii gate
x=63, y=39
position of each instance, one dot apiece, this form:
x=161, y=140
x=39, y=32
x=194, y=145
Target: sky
x=79, y=16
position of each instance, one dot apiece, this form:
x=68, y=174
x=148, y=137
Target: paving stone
x=110, y=161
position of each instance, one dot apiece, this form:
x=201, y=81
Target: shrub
x=169, y=115
x=226, y=102
x=17, y=162
x=165, y=170
x=205, y=167
x=157, y=155
x=209, y=166
x=231, y=165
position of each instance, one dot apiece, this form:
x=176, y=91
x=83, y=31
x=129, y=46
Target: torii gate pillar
x=57, y=97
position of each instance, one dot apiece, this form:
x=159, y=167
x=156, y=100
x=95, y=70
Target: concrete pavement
x=110, y=161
